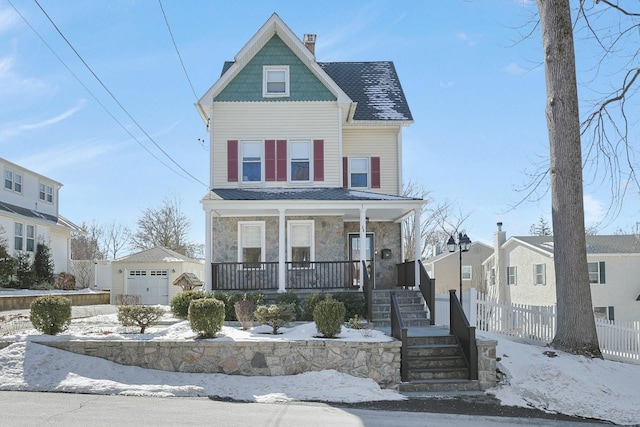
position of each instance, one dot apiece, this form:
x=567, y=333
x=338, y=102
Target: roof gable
x=303, y=84
x=156, y=255
x=598, y=244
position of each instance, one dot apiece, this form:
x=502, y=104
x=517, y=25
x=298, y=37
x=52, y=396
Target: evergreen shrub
x=206, y=316
x=329, y=316
x=275, y=315
x=50, y=314
x=180, y=303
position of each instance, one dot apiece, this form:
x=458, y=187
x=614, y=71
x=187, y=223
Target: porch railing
x=314, y=275
x=400, y=332
x=367, y=290
x=464, y=332
x=406, y=279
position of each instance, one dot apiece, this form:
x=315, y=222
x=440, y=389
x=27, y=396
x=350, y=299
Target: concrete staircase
x=435, y=360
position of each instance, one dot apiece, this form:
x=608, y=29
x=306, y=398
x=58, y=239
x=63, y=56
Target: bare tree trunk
x=576, y=331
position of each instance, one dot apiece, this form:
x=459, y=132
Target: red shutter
x=345, y=172
x=282, y=160
x=318, y=160
x=270, y=160
x=375, y=172
x=232, y=160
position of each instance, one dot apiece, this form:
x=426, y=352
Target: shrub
x=329, y=316
x=24, y=271
x=309, y=305
x=180, y=303
x=257, y=297
x=65, y=281
x=245, y=312
x=290, y=298
x=206, y=316
x=229, y=301
x=128, y=299
x=7, y=263
x=50, y=314
x=142, y=316
x=276, y=315
x=43, y=264
x=354, y=304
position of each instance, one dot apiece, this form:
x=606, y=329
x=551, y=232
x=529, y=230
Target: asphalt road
x=71, y=410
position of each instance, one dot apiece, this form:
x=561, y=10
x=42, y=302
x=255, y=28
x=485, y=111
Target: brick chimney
x=310, y=42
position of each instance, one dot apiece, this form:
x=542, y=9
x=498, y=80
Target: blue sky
x=474, y=84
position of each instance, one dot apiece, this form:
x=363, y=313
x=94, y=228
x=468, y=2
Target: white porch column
x=208, y=251
x=282, y=253
x=417, y=244
x=362, y=248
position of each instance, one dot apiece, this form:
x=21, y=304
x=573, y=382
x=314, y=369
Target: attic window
x=275, y=81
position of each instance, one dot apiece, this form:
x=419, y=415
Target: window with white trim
x=301, y=247
x=300, y=161
x=12, y=181
x=604, y=313
x=45, y=192
x=512, y=275
x=251, y=243
x=18, y=236
x=31, y=238
x=252, y=161
x=359, y=172
x=275, y=81
x=539, y=274
x=596, y=272
x=466, y=272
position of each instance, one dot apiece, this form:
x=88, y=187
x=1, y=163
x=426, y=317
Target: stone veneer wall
x=379, y=361
x=386, y=236
x=486, y=363
x=19, y=302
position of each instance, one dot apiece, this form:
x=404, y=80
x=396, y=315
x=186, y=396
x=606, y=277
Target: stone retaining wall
x=379, y=361
x=20, y=302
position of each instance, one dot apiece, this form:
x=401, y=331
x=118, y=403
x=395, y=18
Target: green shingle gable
x=247, y=85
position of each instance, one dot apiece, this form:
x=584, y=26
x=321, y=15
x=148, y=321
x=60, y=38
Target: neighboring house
x=521, y=270
x=151, y=274
x=29, y=214
x=306, y=164
x=445, y=268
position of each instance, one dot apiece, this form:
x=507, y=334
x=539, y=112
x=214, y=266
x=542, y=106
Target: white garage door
x=151, y=285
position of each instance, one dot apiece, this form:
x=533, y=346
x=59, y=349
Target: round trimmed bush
x=329, y=316
x=275, y=315
x=50, y=314
x=180, y=303
x=142, y=316
x=206, y=316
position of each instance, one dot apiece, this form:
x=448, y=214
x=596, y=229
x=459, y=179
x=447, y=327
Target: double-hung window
x=512, y=275
x=252, y=161
x=301, y=243
x=31, y=238
x=300, y=160
x=466, y=272
x=596, y=272
x=359, y=172
x=275, y=81
x=539, y=274
x=45, y=193
x=24, y=237
x=18, y=236
x=13, y=181
x=251, y=242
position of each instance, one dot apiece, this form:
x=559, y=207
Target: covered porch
x=305, y=239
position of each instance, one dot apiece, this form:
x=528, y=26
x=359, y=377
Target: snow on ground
x=565, y=384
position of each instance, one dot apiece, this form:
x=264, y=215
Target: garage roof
x=156, y=255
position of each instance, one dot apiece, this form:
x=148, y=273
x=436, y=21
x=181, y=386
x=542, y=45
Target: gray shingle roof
x=300, y=194
x=375, y=86
x=155, y=255
x=27, y=212
x=606, y=244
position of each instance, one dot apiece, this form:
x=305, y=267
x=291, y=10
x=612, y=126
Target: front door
x=354, y=256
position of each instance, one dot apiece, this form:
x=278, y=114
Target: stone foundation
x=379, y=361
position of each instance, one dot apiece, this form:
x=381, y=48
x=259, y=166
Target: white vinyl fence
x=619, y=341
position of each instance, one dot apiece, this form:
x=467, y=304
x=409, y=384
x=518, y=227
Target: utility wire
x=177, y=51
x=115, y=99
x=91, y=93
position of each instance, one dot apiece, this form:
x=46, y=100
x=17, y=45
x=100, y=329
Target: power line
x=177, y=51
x=115, y=99
x=91, y=93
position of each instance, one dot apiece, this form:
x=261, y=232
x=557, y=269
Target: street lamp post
x=463, y=244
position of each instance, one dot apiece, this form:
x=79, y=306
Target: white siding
x=29, y=198
x=621, y=287
x=525, y=292
x=276, y=120
x=381, y=143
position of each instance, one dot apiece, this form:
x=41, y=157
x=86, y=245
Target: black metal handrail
x=399, y=332
x=367, y=290
x=406, y=279
x=465, y=334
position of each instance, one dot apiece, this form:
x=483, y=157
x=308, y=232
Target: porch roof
x=310, y=201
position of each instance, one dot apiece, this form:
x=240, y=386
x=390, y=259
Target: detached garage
x=150, y=274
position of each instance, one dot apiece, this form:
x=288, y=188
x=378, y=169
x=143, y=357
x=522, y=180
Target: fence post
x=473, y=306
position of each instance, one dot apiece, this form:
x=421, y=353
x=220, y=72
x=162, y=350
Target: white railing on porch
x=618, y=341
